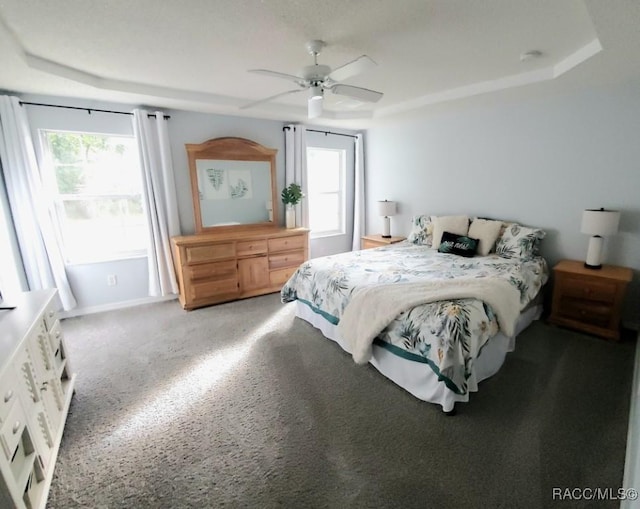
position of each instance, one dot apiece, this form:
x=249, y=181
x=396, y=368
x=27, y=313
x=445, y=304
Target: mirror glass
x=233, y=183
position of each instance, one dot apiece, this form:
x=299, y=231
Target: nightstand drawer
x=586, y=312
x=589, y=300
x=369, y=244
x=595, y=291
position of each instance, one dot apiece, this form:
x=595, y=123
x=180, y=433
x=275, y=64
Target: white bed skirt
x=418, y=378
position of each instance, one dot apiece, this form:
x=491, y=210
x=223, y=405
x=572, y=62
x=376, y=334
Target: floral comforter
x=446, y=335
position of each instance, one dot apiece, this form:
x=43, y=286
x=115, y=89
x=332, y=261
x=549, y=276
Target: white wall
x=536, y=158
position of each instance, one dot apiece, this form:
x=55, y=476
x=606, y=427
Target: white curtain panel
x=295, y=164
x=32, y=210
x=358, y=196
x=159, y=198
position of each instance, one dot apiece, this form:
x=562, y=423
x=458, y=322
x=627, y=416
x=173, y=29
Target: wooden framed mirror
x=233, y=184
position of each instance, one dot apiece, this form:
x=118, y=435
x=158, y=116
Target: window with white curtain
x=95, y=181
x=326, y=190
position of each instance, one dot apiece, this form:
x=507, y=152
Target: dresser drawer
x=212, y=271
x=11, y=430
x=8, y=392
x=286, y=243
x=251, y=247
x=208, y=289
x=51, y=315
x=55, y=333
x=209, y=253
x=291, y=259
x=281, y=276
x=586, y=312
x=595, y=291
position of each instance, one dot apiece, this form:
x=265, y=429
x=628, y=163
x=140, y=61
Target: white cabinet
x=36, y=386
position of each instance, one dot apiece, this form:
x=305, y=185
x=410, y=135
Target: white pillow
x=486, y=231
x=453, y=224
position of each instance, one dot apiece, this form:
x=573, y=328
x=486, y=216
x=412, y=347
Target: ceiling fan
x=317, y=78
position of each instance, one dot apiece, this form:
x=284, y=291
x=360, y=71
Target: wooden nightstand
x=369, y=241
x=589, y=300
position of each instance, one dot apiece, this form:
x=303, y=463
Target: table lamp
x=598, y=223
x=386, y=208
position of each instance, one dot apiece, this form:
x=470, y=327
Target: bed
x=434, y=322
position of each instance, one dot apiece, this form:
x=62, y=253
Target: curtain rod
x=286, y=128
x=88, y=110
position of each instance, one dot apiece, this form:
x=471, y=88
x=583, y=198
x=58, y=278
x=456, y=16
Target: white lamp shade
x=386, y=208
x=600, y=222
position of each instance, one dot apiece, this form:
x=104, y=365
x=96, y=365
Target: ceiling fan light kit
x=318, y=78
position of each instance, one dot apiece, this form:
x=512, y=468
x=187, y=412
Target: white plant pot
x=290, y=216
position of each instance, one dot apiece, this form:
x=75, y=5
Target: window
x=326, y=182
x=96, y=184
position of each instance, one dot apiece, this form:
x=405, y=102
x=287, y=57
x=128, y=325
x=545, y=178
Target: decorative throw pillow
x=421, y=230
x=505, y=226
x=486, y=231
x=458, y=244
x=519, y=241
x=453, y=224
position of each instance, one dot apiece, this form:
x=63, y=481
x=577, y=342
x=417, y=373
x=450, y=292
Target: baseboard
x=632, y=459
x=113, y=306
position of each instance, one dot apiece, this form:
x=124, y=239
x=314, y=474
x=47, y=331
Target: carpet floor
x=244, y=405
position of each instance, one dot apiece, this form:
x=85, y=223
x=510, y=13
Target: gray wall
x=324, y=246
x=89, y=281
x=536, y=158
x=188, y=127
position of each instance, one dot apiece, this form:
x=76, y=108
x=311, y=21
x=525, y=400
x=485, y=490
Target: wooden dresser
x=589, y=300
x=220, y=267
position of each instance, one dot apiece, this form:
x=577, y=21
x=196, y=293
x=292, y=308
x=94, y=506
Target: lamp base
x=386, y=234
x=594, y=253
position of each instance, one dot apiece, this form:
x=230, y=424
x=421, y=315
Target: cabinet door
x=253, y=273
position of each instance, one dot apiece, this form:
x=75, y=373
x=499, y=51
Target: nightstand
x=589, y=300
x=369, y=241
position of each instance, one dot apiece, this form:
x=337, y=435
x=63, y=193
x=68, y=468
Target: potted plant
x=291, y=196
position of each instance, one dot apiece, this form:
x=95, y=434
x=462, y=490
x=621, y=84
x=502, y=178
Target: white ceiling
x=195, y=54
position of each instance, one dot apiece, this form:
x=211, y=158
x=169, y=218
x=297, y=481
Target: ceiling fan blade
x=266, y=99
x=315, y=107
x=360, y=64
x=362, y=94
x=274, y=74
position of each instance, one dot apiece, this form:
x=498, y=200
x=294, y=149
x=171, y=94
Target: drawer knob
x=8, y=395
x=16, y=427
x=57, y=334
x=51, y=313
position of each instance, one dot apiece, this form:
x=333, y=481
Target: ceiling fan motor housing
x=315, y=72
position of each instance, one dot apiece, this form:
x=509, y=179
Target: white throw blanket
x=372, y=308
